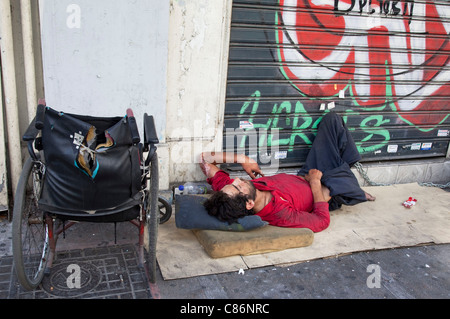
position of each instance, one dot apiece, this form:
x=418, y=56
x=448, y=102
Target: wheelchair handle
x=40, y=112
x=133, y=127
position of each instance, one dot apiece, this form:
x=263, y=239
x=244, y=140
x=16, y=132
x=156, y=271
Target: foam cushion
x=191, y=214
x=267, y=239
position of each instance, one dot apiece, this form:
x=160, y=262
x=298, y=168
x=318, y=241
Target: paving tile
x=105, y=273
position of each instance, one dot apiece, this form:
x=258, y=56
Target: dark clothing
x=333, y=152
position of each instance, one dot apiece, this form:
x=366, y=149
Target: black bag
x=92, y=165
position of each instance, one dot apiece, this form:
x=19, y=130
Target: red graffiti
x=382, y=53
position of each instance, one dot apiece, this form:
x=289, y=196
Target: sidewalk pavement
x=110, y=271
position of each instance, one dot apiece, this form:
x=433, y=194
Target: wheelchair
x=84, y=169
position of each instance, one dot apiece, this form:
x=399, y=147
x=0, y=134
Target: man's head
x=234, y=201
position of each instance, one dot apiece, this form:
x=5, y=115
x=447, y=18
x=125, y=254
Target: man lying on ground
x=324, y=183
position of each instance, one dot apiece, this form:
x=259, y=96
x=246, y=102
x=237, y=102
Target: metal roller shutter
x=382, y=65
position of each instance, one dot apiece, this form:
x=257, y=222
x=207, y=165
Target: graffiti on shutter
x=382, y=65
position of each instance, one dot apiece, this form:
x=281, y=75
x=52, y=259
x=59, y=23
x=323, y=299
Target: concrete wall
x=166, y=58
x=198, y=59
x=102, y=57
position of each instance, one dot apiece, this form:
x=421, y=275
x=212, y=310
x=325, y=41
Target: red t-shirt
x=292, y=203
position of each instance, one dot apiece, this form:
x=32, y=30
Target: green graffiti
x=297, y=129
x=372, y=130
x=299, y=122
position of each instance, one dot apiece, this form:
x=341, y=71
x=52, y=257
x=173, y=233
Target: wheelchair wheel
x=152, y=217
x=30, y=233
x=165, y=210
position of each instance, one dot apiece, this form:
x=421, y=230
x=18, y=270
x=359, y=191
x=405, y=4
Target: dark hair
x=227, y=208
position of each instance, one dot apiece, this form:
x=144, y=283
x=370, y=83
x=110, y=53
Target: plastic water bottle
x=194, y=188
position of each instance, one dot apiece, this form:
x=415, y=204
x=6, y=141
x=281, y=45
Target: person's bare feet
x=370, y=197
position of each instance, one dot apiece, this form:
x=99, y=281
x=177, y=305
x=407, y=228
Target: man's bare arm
x=250, y=166
x=208, y=165
x=313, y=177
x=222, y=157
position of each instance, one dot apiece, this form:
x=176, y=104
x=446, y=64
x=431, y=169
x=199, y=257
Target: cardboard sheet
x=384, y=223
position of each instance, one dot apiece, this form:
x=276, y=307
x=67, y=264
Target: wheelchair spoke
x=30, y=237
x=34, y=239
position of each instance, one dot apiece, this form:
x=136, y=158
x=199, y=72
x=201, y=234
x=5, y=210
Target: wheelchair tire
x=165, y=210
x=30, y=240
x=152, y=217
